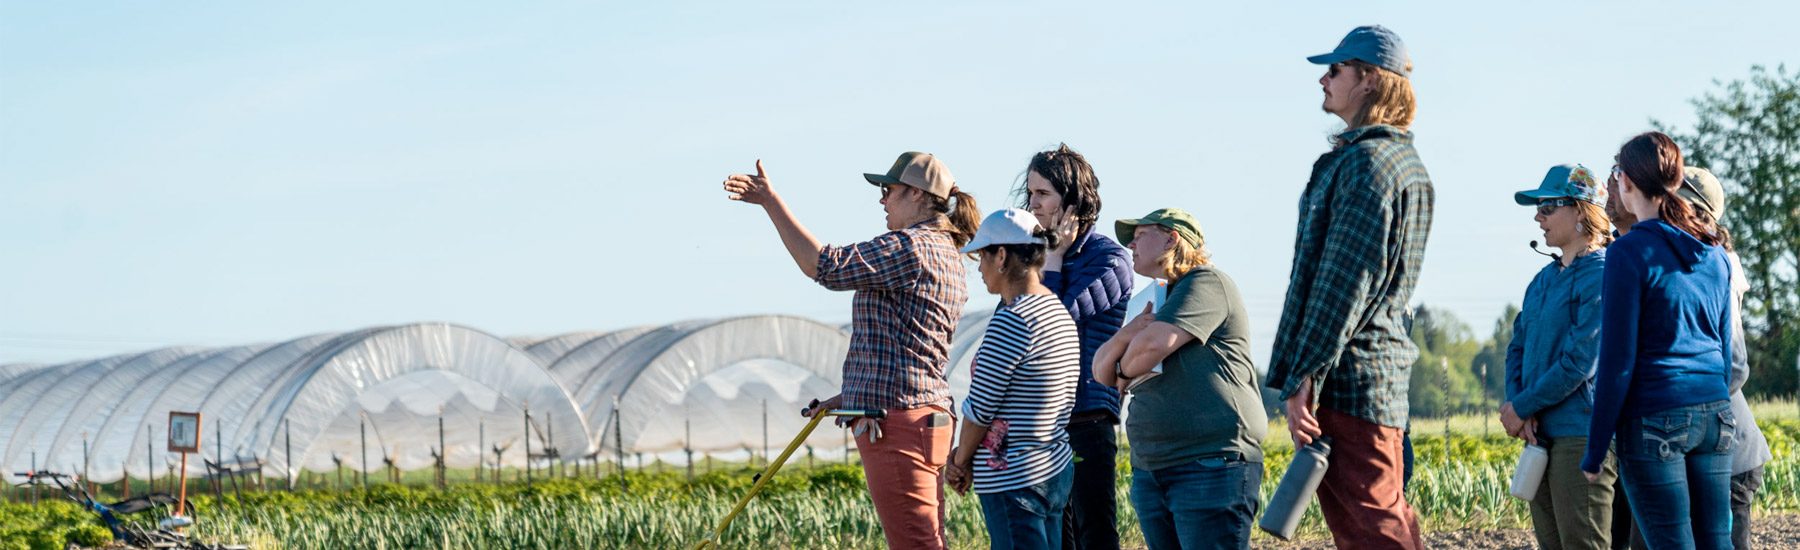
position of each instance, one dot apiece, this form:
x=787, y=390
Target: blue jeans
x=1676, y=465
x=1208, y=503
x=1029, y=518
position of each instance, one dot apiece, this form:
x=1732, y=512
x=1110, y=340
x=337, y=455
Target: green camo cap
x=1173, y=219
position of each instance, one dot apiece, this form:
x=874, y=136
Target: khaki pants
x=902, y=470
x=1569, y=513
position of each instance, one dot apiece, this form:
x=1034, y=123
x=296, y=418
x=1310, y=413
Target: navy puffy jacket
x=1095, y=284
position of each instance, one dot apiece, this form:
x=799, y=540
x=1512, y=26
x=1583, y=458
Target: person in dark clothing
x=1092, y=275
x=1341, y=347
x=1665, y=353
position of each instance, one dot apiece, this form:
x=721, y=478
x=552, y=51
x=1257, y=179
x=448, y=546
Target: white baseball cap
x=1009, y=226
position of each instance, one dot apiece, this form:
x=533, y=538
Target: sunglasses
x=1548, y=206
x=1332, y=71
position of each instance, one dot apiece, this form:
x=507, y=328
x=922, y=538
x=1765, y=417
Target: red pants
x=1362, y=494
x=904, y=480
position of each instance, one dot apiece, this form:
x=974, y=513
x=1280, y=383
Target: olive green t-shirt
x=1206, y=403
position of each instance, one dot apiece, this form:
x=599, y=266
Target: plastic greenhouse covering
x=721, y=387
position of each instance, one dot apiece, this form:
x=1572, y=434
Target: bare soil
x=1770, y=532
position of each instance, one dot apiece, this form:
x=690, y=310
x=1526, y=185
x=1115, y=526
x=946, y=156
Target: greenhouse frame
x=721, y=387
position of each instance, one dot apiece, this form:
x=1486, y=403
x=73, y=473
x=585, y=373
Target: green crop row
x=1460, y=482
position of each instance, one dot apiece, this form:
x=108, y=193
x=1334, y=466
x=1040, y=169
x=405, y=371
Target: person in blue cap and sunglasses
x=1342, y=344
x=1551, y=360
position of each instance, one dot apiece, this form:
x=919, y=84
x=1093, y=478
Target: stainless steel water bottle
x=1282, y=516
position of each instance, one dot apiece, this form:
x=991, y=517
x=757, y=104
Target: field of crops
x=1461, y=482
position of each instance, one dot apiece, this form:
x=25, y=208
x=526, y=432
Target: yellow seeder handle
x=769, y=473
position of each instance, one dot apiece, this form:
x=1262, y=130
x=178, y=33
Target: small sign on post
x=184, y=438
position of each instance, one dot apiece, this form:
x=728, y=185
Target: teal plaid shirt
x=1361, y=242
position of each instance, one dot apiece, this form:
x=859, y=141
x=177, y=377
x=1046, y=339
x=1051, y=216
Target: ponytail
x=1653, y=163
x=1677, y=212
x=964, y=216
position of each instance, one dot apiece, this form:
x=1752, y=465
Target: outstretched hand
x=753, y=189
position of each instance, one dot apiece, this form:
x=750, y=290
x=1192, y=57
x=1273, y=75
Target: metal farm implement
x=166, y=535
x=775, y=466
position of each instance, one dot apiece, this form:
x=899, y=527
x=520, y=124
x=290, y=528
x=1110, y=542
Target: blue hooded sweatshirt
x=1665, y=334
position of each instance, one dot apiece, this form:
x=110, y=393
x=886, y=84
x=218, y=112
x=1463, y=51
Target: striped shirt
x=1025, y=373
x=909, y=294
x=1361, y=243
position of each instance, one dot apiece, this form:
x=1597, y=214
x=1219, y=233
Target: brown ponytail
x=1653, y=162
x=965, y=217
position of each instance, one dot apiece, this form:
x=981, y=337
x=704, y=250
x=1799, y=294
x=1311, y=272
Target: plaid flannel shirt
x=910, y=292
x=1361, y=242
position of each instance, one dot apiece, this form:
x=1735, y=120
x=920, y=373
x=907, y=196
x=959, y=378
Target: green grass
x=1459, y=483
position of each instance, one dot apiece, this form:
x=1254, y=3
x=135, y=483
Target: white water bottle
x=1296, y=490
x=1530, y=472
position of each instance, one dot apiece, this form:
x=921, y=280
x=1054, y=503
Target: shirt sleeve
x=1739, y=356
x=1580, y=351
x=1623, y=291
x=886, y=262
x=1352, y=261
x=1197, y=305
x=1003, y=347
x=1515, y=349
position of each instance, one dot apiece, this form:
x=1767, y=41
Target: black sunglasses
x=1548, y=206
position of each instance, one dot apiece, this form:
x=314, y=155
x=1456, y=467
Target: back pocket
x=1665, y=435
x=1727, y=431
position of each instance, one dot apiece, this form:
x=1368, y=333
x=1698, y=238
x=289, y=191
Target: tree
x=1442, y=339
x=1493, y=355
x=1748, y=134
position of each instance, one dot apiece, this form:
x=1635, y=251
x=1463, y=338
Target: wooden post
x=1445, y=361
x=1485, y=417
x=619, y=442
x=84, y=464
x=443, y=454
x=287, y=452
x=362, y=423
x=150, y=459
x=181, y=501
x=687, y=441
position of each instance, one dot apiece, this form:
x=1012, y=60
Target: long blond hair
x=1594, y=223
x=1181, y=257
x=1390, y=98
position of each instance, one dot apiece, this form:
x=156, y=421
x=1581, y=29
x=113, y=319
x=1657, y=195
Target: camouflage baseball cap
x=1173, y=219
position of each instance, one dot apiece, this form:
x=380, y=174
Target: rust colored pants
x=904, y=480
x=1362, y=494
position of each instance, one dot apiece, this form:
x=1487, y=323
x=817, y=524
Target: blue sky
x=242, y=172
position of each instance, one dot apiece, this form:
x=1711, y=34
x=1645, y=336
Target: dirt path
x=1770, y=533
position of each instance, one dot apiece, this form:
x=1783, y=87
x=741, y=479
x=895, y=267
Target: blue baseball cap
x=1570, y=181
x=1372, y=44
